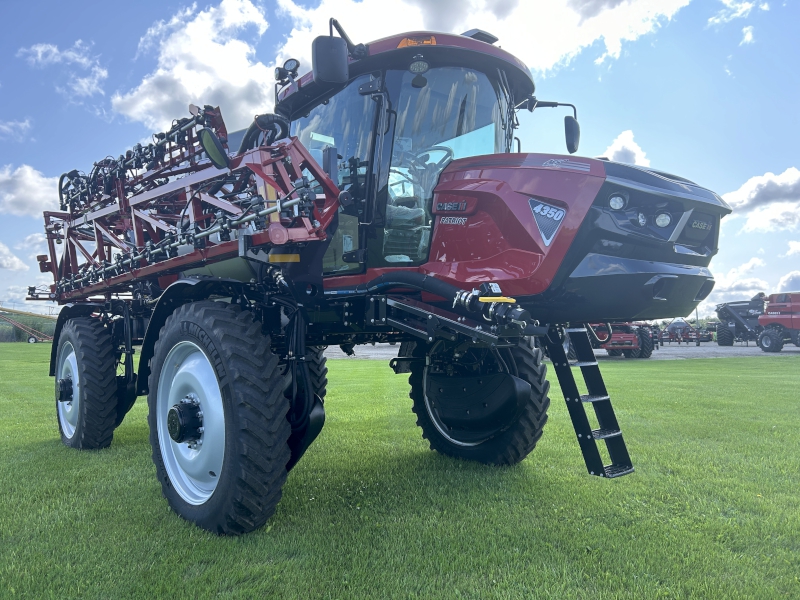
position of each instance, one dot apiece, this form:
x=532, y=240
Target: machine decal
x=548, y=218
x=566, y=163
x=457, y=206
x=453, y=220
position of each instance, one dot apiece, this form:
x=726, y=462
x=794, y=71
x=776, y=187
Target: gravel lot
x=385, y=352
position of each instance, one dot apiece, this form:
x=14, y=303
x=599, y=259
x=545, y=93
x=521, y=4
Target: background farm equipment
x=780, y=322
x=631, y=340
x=739, y=321
x=678, y=330
x=26, y=323
x=383, y=202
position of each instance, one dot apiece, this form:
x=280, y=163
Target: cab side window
x=345, y=123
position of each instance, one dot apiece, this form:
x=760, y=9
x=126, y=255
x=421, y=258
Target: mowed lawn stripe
x=370, y=512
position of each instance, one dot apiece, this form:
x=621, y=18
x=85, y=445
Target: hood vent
x=481, y=36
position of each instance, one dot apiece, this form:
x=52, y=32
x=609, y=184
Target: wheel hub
x=185, y=421
x=65, y=389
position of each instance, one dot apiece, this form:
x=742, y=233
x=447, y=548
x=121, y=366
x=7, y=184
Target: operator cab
x=409, y=106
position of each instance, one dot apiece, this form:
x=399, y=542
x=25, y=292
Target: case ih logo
x=456, y=206
x=453, y=220
x=566, y=163
x=702, y=225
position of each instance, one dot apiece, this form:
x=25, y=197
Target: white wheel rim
x=68, y=411
x=194, y=469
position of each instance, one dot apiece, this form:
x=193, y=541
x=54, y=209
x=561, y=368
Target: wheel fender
x=178, y=293
x=69, y=311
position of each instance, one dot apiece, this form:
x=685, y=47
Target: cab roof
x=397, y=51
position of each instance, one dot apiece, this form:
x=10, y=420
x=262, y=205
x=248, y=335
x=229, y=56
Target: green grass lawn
x=711, y=512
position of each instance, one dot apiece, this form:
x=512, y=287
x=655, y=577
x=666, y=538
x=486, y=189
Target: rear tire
x=724, y=336
x=646, y=344
x=614, y=352
x=509, y=445
x=32, y=340
x=635, y=353
x=214, y=358
x=771, y=340
x=86, y=356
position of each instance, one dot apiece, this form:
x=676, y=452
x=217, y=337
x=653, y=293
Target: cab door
x=340, y=135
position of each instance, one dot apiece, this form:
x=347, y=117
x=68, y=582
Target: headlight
x=616, y=202
x=663, y=219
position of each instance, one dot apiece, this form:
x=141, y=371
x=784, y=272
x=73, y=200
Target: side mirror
x=329, y=60
x=213, y=149
x=572, y=131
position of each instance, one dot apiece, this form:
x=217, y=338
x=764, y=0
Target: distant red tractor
x=631, y=340
x=781, y=322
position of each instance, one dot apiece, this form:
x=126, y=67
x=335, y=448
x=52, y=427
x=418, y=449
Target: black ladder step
x=584, y=364
x=612, y=471
x=604, y=434
x=587, y=398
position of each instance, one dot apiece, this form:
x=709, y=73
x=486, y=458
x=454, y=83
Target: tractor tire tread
x=725, y=337
x=245, y=365
x=98, y=405
x=510, y=446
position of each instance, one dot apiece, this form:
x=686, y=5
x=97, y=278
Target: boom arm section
x=165, y=208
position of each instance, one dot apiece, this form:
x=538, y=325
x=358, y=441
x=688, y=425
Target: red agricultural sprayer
x=385, y=201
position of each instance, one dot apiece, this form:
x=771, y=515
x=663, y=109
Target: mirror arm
x=532, y=103
x=356, y=51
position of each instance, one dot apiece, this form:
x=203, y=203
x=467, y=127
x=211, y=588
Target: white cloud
x=34, y=244
x=794, y=248
x=542, y=34
x=14, y=130
x=202, y=61
x=625, y=150
x=8, y=260
x=34, y=240
x=88, y=83
x=747, y=35
x=790, y=282
x=770, y=202
x=14, y=295
x=26, y=191
x=733, y=10
x=203, y=58
x=49, y=54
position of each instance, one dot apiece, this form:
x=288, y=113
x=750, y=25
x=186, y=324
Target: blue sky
x=706, y=89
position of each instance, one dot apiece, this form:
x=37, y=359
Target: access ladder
x=608, y=430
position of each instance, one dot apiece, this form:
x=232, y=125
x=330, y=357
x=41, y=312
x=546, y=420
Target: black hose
x=409, y=279
x=61, y=202
x=275, y=127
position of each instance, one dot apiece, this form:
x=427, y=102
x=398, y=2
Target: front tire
x=771, y=340
x=506, y=446
x=86, y=385
x=32, y=340
x=218, y=426
x=614, y=352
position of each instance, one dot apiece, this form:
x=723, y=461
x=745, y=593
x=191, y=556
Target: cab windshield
x=444, y=114
x=428, y=120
